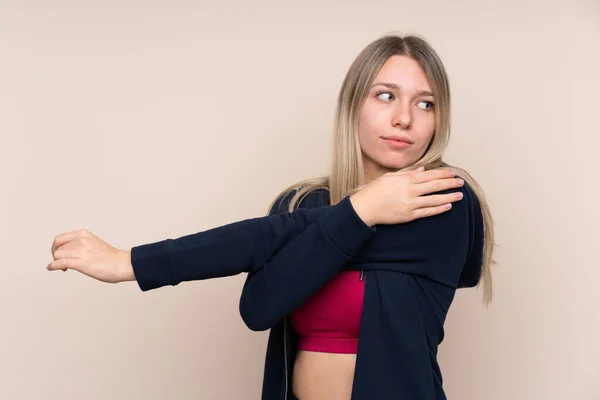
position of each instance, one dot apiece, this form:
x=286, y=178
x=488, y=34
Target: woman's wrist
x=362, y=209
x=125, y=266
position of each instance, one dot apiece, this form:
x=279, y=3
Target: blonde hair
x=347, y=174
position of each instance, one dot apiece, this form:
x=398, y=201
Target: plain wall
x=146, y=120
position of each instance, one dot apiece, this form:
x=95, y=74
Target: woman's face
x=397, y=118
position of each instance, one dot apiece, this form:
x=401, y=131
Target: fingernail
x=460, y=182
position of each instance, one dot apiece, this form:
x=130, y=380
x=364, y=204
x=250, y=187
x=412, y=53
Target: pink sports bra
x=330, y=320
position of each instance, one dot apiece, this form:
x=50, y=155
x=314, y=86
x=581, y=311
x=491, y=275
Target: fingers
x=427, y=206
x=61, y=239
x=431, y=211
x=438, y=200
x=73, y=249
x=63, y=250
x=438, y=185
x=64, y=264
x=433, y=174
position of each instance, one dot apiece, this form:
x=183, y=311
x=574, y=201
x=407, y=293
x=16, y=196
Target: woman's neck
x=372, y=172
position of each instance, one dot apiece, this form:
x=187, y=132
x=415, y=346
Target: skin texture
x=402, y=110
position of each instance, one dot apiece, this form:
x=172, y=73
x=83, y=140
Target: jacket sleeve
x=311, y=259
x=246, y=246
x=471, y=272
x=434, y=247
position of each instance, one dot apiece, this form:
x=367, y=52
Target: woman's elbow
x=253, y=318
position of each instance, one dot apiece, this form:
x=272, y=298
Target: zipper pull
x=361, y=275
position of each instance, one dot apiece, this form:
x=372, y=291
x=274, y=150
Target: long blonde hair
x=347, y=174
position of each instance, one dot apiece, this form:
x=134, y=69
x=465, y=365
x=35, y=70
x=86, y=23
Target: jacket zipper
x=285, y=356
x=361, y=278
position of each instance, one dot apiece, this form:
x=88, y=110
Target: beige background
x=142, y=120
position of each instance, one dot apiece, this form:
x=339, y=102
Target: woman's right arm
x=243, y=246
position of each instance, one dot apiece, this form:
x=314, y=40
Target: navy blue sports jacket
x=411, y=273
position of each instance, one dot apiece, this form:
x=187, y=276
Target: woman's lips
x=398, y=143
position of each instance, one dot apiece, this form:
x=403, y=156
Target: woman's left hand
x=85, y=252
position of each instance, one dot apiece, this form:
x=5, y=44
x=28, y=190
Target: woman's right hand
x=399, y=197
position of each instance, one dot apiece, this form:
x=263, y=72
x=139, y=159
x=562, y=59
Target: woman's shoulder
x=314, y=198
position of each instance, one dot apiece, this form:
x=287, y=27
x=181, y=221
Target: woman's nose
x=402, y=116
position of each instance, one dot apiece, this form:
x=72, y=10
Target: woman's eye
x=426, y=105
x=385, y=96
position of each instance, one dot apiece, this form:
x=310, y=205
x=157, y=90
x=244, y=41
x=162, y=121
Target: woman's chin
x=386, y=163
x=395, y=165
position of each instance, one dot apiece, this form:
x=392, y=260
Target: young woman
x=354, y=273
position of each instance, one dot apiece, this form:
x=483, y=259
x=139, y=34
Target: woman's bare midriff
x=323, y=376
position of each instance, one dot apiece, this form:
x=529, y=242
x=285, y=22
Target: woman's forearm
x=243, y=246
x=301, y=267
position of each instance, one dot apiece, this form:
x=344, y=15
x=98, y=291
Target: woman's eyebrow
x=394, y=86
